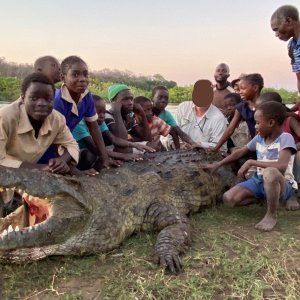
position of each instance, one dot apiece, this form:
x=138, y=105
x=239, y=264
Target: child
x=30, y=125
x=250, y=88
x=75, y=102
x=275, y=154
x=121, y=119
x=240, y=136
x=157, y=126
x=83, y=137
x=160, y=98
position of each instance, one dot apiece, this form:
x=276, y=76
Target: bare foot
x=267, y=223
x=292, y=204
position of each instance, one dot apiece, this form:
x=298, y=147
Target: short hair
x=68, y=62
x=141, y=100
x=41, y=61
x=225, y=65
x=284, y=12
x=157, y=88
x=35, y=77
x=97, y=98
x=236, y=97
x=254, y=79
x=273, y=110
x=270, y=96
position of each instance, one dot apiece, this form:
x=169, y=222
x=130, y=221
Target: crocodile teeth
x=17, y=228
x=10, y=229
x=4, y=232
x=31, y=198
x=20, y=191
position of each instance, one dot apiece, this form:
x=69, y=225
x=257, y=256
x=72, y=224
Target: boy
x=275, y=154
x=83, y=137
x=121, y=118
x=157, y=126
x=160, y=98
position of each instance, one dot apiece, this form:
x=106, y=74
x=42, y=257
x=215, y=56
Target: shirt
x=158, y=127
x=17, y=137
x=129, y=120
x=81, y=131
x=294, y=53
x=74, y=113
x=168, y=118
x=247, y=115
x=207, y=129
x=270, y=152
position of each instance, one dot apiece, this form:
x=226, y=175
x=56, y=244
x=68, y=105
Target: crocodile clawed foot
x=171, y=262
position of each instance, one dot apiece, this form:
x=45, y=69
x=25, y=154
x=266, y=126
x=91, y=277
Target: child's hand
x=116, y=106
x=212, y=168
x=137, y=108
x=58, y=165
x=142, y=147
x=243, y=169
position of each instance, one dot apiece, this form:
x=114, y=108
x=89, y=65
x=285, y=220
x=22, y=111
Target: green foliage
x=9, y=88
x=288, y=97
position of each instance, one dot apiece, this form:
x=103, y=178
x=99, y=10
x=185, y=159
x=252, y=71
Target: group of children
x=70, y=131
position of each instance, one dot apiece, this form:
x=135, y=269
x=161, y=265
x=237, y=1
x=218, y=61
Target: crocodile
x=61, y=215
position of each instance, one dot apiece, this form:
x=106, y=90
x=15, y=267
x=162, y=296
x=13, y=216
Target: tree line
x=11, y=75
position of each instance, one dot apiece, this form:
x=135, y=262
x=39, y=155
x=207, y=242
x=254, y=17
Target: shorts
x=256, y=186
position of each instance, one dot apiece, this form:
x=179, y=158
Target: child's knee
x=228, y=199
x=271, y=175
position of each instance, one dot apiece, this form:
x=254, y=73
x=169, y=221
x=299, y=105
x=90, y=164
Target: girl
x=250, y=88
x=75, y=102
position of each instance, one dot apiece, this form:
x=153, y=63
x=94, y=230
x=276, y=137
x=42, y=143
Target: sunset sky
x=181, y=40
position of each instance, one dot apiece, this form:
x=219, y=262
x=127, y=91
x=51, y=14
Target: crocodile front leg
x=174, y=236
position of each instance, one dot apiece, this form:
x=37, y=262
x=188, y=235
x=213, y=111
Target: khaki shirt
x=17, y=137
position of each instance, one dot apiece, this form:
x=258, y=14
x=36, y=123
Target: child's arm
x=175, y=137
x=142, y=130
x=229, y=130
x=293, y=115
x=99, y=143
x=281, y=164
x=294, y=125
x=234, y=156
x=185, y=137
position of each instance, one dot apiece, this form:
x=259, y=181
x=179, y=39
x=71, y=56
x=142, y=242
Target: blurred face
x=221, y=73
x=126, y=98
x=147, y=108
x=283, y=28
x=101, y=110
x=76, y=79
x=38, y=101
x=229, y=104
x=247, y=90
x=51, y=69
x=263, y=127
x=161, y=99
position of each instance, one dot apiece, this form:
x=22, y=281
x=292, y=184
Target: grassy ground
x=228, y=259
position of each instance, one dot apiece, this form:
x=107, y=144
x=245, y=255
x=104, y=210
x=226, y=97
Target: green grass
x=228, y=259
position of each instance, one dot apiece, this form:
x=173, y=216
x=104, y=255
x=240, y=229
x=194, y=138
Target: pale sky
x=181, y=40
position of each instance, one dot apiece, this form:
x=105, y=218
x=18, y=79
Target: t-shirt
x=74, y=113
x=81, y=131
x=129, y=120
x=247, y=115
x=158, y=127
x=168, y=118
x=294, y=53
x=270, y=152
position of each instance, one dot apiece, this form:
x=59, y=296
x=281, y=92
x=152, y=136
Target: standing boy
x=275, y=155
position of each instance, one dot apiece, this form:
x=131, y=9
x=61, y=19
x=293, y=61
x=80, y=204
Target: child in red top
x=156, y=125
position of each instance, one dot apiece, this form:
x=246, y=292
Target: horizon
x=182, y=42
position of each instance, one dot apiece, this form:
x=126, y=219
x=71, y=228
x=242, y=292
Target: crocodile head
x=52, y=210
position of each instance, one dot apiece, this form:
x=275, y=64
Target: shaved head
x=284, y=12
x=223, y=66
x=49, y=66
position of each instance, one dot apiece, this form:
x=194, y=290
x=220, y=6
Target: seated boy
x=275, y=154
x=121, y=118
x=29, y=125
x=83, y=137
x=160, y=98
x=157, y=126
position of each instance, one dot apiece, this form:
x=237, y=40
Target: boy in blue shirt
x=160, y=98
x=274, y=178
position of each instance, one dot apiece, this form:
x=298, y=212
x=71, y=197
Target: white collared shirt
x=207, y=129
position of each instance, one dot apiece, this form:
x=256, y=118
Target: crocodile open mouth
x=28, y=215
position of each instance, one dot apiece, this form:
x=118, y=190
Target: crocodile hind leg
x=174, y=235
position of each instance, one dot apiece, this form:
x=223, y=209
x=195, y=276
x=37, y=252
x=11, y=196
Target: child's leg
x=238, y=196
x=274, y=185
